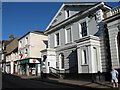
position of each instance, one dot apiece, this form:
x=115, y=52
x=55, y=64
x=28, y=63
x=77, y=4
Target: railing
x=59, y=73
x=56, y=72
x=113, y=11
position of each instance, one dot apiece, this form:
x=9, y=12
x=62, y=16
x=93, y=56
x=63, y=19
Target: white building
x=76, y=35
x=29, y=49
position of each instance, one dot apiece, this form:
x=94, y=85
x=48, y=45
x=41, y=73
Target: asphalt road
x=15, y=82
x=11, y=81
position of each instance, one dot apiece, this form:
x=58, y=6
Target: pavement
x=92, y=85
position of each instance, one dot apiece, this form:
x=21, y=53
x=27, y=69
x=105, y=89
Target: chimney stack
x=11, y=37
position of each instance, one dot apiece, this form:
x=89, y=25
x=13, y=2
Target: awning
x=29, y=60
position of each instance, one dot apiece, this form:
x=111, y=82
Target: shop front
x=8, y=68
x=29, y=67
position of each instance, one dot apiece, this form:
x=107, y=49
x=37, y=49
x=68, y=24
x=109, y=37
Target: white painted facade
x=10, y=59
x=50, y=60
x=79, y=37
x=31, y=45
x=91, y=46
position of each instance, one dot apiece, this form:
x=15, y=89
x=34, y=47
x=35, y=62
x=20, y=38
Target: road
x=15, y=82
x=11, y=81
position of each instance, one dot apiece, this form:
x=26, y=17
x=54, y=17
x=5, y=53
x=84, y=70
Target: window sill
x=84, y=65
x=68, y=43
x=56, y=46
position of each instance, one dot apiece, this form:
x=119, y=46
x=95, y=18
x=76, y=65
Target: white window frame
x=80, y=29
x=66, y=39
x=86, y=26
x=84, y=56
x=60, y=62
x=20, y=43
x=66, y=14
x=55, y=39
x=26, y=40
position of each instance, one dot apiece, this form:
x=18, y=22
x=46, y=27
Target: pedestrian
x=114, y=74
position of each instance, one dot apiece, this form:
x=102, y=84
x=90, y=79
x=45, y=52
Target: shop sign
x=34, y=61
x=24, y=61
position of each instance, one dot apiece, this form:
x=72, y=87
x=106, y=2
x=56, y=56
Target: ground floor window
x=61, y=61
x=84, y=57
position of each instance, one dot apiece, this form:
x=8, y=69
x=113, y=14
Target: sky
x=20, y=17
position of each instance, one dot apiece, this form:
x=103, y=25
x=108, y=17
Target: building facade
x=113, y=27
x=76, y=34
x=29, y=49
x=12, y=56
x=3, y=54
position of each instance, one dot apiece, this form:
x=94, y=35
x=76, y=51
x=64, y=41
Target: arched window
x=84, y=57
x=95, y=60
x=61, y=61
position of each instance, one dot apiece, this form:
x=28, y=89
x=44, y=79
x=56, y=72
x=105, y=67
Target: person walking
x=114, y=80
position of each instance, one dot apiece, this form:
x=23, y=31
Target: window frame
x=67, y=14
x=85, y=28
x=66, y=35
x=57, y=42
x=84, y=57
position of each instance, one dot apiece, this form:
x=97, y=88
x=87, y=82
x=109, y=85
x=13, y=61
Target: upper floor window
x=20, y=43
x=84, y=29
x=57, y=39
x=26, y=40
x=67, y=13
x=68, y=35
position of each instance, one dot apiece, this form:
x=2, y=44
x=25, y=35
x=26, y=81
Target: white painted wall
x=36, y=44
x=11, y=58
x=93, y=65
x=51, y=58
